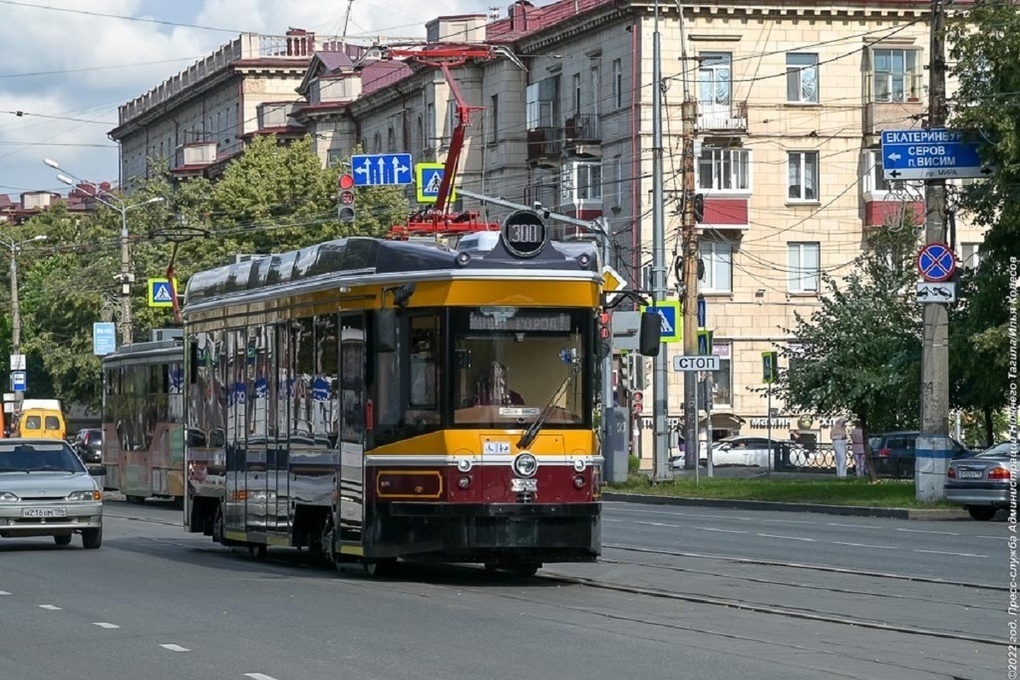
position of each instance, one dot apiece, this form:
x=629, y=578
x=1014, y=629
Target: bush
x=633, y=465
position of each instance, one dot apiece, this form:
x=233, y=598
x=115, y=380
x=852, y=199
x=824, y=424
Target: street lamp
x=118, y=204
x=16, y=305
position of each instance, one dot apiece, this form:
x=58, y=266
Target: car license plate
x=970, y=474
x=44, y=512
x=524, y=485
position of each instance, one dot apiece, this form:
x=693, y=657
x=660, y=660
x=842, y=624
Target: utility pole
x=933, y=449
x=661, y=471
x=690, y=285
x=126, y=279
x=15, y=322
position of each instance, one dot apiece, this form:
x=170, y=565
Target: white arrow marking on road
x=895, y=156
x=175, y=648
x=51, y=607
x=101, y=624
x=259, y=676
x=4, y=592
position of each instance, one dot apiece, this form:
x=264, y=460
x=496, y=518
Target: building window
x=391, y=141
x=334, y=157
x=873, y=179
x=617, y=84
x=896, y=75
x=596, y=89
x=543, y=103
x=377, y=143
x=802, y=78
x=803, y=267
x=616, y=190
x=577, y=92
x=803, y=175
x=970, y=255
x=716, y=258
x=494, y=118
x=589, y=181
x=714, y=80
x=723, y=169
x=430, y=125
x=722, y=380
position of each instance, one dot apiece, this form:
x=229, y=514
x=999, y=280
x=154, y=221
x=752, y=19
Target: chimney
x=518, y=13
x=300, y=43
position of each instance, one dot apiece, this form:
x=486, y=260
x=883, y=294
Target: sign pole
x=933, y=448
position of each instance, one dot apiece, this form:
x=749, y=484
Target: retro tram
x=379, y=399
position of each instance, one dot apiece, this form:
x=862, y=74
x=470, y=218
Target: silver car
x=981, y=483
x=45, y=490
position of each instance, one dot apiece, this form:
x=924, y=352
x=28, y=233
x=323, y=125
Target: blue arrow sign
x=382, y=169
x=930, y=154
x=936, y=262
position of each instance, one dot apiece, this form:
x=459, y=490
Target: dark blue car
x=893, y=453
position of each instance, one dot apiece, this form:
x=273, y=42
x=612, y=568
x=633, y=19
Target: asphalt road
x=155, y=602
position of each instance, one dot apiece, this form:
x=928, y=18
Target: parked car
x=88, y=443
x=981, y=483
x=45, y=490
x=748, y=451
x=893, y=452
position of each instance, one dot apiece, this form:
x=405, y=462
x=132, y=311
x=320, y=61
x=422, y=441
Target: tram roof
x=140, y=351
x=359, y=258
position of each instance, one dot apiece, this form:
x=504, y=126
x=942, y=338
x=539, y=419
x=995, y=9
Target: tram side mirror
x=386, y=330
x=193, y=362
x=650, y=337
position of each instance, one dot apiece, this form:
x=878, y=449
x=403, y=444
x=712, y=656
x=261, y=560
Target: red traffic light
x=346, y=181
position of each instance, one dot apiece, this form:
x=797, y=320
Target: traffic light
x=345, y=209
x=624, y=383
x=699, y=207
x=605, y=334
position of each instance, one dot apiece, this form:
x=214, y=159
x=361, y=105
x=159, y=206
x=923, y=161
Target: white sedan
x=751, y=451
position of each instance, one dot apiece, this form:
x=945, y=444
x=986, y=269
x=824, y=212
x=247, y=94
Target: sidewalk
x=750, y=473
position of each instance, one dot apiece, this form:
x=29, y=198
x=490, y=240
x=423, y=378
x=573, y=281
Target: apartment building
x=792, y=97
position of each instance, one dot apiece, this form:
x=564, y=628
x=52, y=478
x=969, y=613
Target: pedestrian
x=838, y=436
x=857, y=447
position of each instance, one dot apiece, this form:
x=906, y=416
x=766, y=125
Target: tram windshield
x=509, y=363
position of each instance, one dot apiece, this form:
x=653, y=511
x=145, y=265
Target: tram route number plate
x=44, y=512
x=524, y=485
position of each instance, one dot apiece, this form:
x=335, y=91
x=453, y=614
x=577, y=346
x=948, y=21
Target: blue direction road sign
x=382, y=169
x=104, y=338
x=19, y=381
x=930, y=154
x=936, y=262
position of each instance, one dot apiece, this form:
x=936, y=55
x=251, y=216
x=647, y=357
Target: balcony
x=581, y=135
x=892, y=212
x=545, y=146
x=722, y=118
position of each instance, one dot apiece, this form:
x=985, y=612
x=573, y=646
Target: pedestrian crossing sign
x=672, y=319
x=160, y=293
x=428, y=177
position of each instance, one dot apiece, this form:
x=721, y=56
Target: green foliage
x=275, y=197
x=859, y=353
x=633, y=465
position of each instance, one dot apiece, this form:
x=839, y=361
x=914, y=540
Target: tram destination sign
x=937, y=153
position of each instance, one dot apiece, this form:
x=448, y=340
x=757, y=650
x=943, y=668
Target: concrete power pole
x=661, y=471
x=933, y=449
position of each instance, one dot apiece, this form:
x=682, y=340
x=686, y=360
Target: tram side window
x=303, y=335
x=352, y=377
x=324, y=382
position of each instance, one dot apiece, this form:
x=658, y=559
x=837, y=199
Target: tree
x=860, y=352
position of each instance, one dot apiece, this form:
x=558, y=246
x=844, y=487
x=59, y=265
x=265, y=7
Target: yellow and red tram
x=378, y=399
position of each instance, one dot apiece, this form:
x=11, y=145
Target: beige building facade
x=792, y=97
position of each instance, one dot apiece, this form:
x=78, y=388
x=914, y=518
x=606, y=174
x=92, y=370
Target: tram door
x=352, y=409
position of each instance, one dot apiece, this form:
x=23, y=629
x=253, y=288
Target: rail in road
x=817, y=619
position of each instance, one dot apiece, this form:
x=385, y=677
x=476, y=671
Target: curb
x=849, y=510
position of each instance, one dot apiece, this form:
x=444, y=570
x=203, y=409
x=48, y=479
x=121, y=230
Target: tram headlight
x=464, y=465
x=578, y=481
x=464, y=482
x=579, y=465
x=525, y=465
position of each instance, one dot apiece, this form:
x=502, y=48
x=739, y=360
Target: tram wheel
x=384, y=567
x=526, y=568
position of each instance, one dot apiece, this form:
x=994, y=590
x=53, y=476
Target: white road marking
x=259, y=676
x=943, y=552
x=864, y=545
x=925, y=531
x=786, y=521
x=4, y=592
x=721, y=531
x=789, y=538
x=854, y=526
x=51, y=607
x=103, y=624
x=175, y=648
